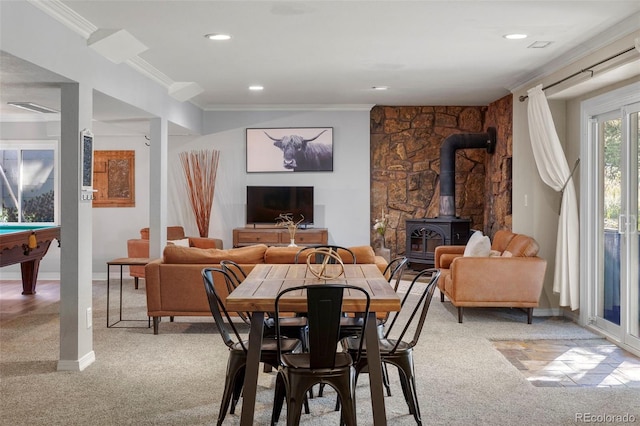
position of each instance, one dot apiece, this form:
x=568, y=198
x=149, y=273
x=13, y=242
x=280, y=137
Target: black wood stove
x=424, y=235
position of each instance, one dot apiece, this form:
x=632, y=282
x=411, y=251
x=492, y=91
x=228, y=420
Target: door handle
x=622, y=224
x=627, y=224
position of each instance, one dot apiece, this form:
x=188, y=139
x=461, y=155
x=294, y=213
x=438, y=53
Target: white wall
x=113, y=226
x=540, y=217
x=342, y=197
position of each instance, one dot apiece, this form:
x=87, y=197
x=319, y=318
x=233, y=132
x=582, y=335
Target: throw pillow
x=182, y=243
x=478, y=245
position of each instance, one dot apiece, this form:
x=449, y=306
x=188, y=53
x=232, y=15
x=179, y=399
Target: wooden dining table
x=257, y=295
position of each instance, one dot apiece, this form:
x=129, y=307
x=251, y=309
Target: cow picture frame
x=289, y=149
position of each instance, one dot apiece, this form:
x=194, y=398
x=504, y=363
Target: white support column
x=158, y=187
x=76, y=332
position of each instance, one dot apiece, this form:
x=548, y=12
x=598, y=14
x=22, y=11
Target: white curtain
x=554, y=171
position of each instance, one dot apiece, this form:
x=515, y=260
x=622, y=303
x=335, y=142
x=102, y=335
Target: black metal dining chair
x=291, y=326
x=233, y=277
x=298, y=372
x=351, y=325
x=331, y=254
x=395, y=270
x=238, y=346
x=394, y=349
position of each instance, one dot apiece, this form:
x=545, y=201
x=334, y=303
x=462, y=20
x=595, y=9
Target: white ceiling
x=326, y=53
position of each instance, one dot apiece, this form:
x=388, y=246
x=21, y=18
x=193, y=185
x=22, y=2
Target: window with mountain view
x=28, y=176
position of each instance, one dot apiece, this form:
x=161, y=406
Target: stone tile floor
x=581, y=362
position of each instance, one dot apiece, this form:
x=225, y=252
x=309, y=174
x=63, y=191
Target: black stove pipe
x=448, y=164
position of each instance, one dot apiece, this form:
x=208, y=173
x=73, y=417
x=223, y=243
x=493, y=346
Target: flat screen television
x=266, y=203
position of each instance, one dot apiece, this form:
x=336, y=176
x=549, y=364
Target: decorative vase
x=293, y=243
x=382, y=250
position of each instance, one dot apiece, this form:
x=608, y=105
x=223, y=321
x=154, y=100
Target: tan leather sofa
x=511, y=277
x=174, y=284
x=139, y=247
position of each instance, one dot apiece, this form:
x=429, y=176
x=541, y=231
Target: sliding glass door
x=612, y=219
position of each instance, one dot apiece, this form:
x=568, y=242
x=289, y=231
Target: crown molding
x=65, y=15
x=148, y=70
x=291, y=107
x=78, y=24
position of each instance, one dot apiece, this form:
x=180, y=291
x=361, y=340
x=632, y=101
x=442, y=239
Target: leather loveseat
x=511, y=276
x=139, y=247
x=174, y=284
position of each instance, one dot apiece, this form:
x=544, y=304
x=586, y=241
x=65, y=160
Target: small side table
x=122, y=262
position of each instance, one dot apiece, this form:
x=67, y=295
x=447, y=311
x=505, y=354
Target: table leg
x=121, y=296
x=375, y=371
x=121, y=292
x=252, y=369
x=29, y=271
x=108, y=282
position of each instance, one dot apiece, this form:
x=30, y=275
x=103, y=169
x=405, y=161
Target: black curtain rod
x=588, y=69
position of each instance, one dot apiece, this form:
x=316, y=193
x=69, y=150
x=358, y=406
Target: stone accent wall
x=405, y=166
x=499, y=186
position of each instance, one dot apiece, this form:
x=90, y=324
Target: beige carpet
x=175, y=378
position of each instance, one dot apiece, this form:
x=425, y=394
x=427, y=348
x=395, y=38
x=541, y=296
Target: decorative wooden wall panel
x=114, y=178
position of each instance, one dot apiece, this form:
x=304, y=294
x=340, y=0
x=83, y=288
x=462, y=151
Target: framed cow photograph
x=299, y=149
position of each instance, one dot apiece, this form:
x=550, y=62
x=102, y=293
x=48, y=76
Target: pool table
x=26, y=244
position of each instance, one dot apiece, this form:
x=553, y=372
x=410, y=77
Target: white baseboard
x=78, y=365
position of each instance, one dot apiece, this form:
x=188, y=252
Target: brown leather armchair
x=139, y=247
x=512, y=276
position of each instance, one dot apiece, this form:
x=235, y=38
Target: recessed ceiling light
x=218, y=36
x=379, y=87
x=30, y=106
x=515, y=36
x=256, y=88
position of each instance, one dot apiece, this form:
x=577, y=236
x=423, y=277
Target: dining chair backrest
x=227, y=329
x=395, y=269
x=324, y=305
x=233, y=278
x=340, y=251
x=234, y=270
x=393, y=272
x=409, y=312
